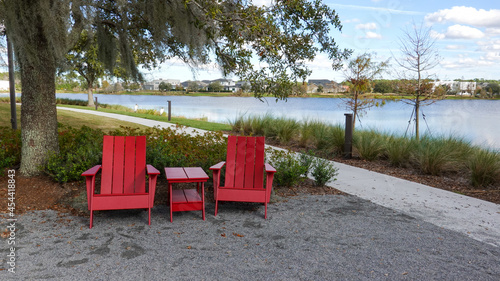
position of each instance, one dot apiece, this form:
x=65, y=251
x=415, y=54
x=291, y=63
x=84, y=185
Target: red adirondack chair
x=123, y=179
x=244, y=173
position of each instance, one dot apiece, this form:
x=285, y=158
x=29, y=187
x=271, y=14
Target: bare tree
x=359, y=73
x=419, y=55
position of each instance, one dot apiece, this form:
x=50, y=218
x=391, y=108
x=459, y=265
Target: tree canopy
x=282, y=37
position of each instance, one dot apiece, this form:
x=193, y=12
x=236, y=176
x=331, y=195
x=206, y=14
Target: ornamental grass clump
x=369, y=145
x=286, y=129
x=484, y=166
x=434, y=156
x=398, y=151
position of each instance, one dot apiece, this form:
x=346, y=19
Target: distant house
x=327, y=85
x=199, y=84
x=460, y=88
x=228, y=84
x=4, y=85
x=154, y=85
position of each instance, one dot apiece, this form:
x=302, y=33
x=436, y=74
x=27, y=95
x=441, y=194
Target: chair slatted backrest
x=123, y=165
x=245, y=162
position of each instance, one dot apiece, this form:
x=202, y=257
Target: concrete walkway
x=475, y=218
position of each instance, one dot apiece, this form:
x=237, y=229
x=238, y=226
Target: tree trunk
x=38, y=109
x=90, y=95
x=417, y=112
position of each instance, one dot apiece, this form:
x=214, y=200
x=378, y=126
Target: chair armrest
x=270, y=169
x=152, y=170
x=92, y=171
x=218, y=166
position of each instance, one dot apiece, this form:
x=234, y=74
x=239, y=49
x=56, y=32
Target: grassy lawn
x=199, y=124
x=69, y=118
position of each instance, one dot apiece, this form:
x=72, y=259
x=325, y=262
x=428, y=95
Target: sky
x=466, y=33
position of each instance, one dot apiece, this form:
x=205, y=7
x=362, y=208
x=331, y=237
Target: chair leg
x=91, y=218
x=265, y=210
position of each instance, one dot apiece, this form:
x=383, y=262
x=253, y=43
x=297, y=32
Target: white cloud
x=351, y=20
x=373, y=35
x=437, y=35
x=466, y=15
x=367, y=26
x=463, y=32
x=455, y=47
x=492, y=31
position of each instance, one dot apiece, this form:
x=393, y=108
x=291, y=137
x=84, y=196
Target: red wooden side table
x=186, y=199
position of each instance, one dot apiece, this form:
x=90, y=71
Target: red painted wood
x=178, y=196
x=118, y=165
x=259, y=163
x=107, y=165
x=140, y=164
x=231, y=160
x=176, y=174
x=192, y=195
x=129, y=172
x=249, y=163
x=239, y=171
x=92, y=171
x=120, y=202
x=242, y=195
x=185, y=207
x=123, y=159
x=248, y=177
x=196, y=174
x=218, y=166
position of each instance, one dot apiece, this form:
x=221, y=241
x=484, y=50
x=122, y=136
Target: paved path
x=475, y=218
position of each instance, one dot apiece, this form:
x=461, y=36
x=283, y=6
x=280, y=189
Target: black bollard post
x=169, y=110
x=348, y=136
x=95, y=103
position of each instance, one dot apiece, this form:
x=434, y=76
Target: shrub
x=368, y=144
x=485, y=167
x=289, y=170
x=323, y=171
x=306, y=160
x=10, y=147
x=79, y=150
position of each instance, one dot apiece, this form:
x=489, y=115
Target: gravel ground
x=308, y=237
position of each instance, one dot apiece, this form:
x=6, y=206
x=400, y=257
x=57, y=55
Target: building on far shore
x=327, y=85
x=4, y=85
x=460, y=88
x=155, y=84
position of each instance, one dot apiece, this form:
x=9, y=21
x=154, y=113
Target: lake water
x=475, y=120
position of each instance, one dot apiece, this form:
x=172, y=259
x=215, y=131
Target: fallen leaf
x=239, y=235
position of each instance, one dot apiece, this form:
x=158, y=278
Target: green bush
x=10, y=147
x=484, y=166
x=79, y=150
x=323, y=171
x=289, y=170
x=306, y=160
